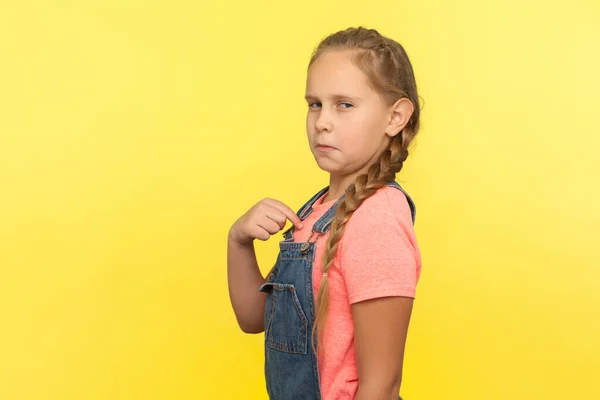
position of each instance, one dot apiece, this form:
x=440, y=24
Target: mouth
x=323, y=147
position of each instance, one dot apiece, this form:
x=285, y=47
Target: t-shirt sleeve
x=378, y=253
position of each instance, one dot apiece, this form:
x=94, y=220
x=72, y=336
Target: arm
x=380, y=329
x=380, y=271
x=244, y=278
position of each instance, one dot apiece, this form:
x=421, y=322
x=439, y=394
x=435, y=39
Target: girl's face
x=347, y=119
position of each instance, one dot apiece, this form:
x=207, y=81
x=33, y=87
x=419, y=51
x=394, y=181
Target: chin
x=328, y=165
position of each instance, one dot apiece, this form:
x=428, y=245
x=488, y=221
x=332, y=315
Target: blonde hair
x=389, y=71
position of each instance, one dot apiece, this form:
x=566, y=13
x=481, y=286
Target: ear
x=400, y=114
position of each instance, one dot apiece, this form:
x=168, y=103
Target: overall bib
x=291, y=365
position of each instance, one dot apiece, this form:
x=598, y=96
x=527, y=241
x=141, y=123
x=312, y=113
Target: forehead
x=333, y=72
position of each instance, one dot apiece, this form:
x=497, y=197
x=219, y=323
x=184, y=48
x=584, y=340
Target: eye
x=314, y=104
x=345, y=105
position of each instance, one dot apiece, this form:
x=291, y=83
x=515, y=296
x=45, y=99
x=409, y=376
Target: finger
x=278, y=217
x=260, y=233
x=288, y=212
x=269, y=225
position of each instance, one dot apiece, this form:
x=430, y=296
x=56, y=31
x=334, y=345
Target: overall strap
x=324, y=223
x=411, y=203
x=305, y=211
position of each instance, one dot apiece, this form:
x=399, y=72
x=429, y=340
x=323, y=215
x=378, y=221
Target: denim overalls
x=291, y=366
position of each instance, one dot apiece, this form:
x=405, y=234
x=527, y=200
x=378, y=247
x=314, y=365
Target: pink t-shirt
x=378, y=256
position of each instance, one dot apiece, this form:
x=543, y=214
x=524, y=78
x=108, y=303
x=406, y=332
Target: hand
x=265, y=218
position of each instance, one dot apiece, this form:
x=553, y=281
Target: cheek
x=310, y=121
x=363, y=132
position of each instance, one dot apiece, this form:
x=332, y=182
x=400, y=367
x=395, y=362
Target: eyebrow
x=333, y=96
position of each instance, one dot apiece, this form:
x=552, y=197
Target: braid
x=379, y=174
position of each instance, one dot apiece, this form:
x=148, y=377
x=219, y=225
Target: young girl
x=336, y=306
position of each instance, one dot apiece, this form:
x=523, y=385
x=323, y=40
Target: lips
x=324, y=147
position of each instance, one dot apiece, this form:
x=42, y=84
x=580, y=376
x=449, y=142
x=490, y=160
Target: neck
x=338, y=185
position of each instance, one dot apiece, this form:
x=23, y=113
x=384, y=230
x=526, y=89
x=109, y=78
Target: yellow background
x=133, y=133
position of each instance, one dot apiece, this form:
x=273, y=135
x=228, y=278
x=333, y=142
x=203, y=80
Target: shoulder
x=388, y=206
x=381, y=223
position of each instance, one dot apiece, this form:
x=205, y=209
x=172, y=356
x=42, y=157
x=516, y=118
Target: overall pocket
x=286, y=325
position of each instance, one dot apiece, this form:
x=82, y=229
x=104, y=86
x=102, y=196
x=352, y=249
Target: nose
x=323, y=122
